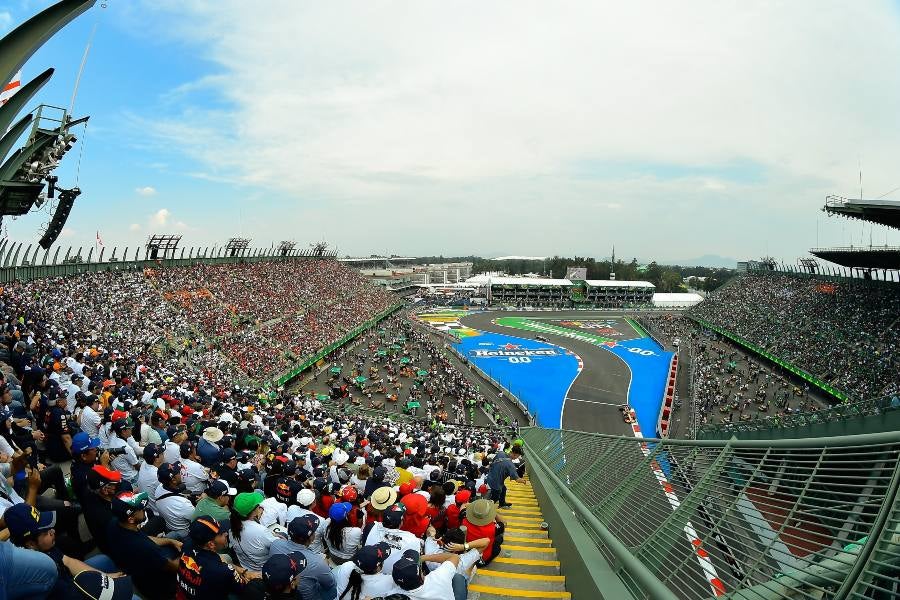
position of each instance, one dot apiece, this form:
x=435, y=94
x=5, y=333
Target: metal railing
x=758, y=520
x=863, y=408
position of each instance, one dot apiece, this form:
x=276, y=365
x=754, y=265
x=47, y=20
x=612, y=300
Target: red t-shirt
x=476, y=532
x=323, y=508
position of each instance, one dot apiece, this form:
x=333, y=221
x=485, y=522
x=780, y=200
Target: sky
x=672, y=130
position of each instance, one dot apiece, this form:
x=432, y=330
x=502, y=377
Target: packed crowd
x=728, y=384
x=844, y=333
x=402, y=367
x=239, y=321
x=190, y=487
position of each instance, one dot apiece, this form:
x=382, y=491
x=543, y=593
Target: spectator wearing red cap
x=416, y=521
x=455, y=510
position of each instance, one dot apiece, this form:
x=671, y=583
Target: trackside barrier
x=772, y=519
x=307, y=363
x=532, y=418
x=665, y=411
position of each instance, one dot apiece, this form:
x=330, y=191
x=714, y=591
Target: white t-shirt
x=466, y=559
x=400, y=541
x=316, y=545
x=273, y=512
x=373, y=586
x=253, y=548
x=352, y=538
x=171, y=452
x=124, y=463
x=194, y=476
x=176, y=510
x=148, y=481
x=90, y=421
x=438, y=584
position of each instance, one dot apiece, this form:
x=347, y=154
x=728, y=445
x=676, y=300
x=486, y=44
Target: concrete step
x=526, y=552
x=526, y=540
x=489, y=592
x=539, y=534
x=490, y=576
x=534, y=566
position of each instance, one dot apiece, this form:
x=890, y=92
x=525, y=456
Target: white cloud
x=67, y=233
x=145, y=191
x=134, y=227
x=409, y=112
x=161, y=217
x=5, y=23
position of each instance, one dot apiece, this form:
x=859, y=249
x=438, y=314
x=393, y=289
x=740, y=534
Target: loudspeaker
x=66, y=201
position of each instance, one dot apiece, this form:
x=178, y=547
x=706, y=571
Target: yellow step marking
x=528, y=548
x=531, y=540
x=506, y=575
x=518, y=520
x=531, y=562
x=522, y=528
x=517, y=513
x=514, y=593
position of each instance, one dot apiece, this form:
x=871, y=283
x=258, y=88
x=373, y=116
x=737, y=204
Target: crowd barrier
x=312, y=360
x=665, y=411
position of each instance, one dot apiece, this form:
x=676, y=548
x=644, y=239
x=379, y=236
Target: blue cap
x=205, y=529
x=280, y=569
x=100, y=586
x=393, y=515
x=82, y=442
x=24, y=520
x=303, y=527
x=369, y=558
x=407, y=572
x=339, y=511
x=152, y=452
x=168, y=471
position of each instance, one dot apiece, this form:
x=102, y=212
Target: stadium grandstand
x=522, y=292
x=268, y=423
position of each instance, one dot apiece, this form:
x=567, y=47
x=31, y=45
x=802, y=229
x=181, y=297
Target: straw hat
x=212, y=434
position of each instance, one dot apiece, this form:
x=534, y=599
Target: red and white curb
x=718, y=588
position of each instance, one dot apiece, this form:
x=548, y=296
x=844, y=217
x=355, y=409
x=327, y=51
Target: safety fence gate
x=809, y=519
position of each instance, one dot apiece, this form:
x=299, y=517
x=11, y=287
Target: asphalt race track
x=593, y=401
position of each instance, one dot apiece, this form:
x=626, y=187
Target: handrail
x=751, y=519
x=635, y=568
x=863, y=408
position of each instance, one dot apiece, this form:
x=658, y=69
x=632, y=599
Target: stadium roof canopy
x=618, y=283
x=863, y=258
x=525, y=281
x=883, y=212
x=676, y=300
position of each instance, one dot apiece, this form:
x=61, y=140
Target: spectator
x=364, y=576
x=202, y=574
x=440, y=584
x=151, y=561
x=216, y=502
x=173, y=506
x=316, y=580
x=249, y=539
x=341, y=539
x=502, y=467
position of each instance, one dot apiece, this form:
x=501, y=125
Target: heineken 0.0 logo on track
x=513, y=353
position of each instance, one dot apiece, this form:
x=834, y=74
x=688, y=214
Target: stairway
x=527, y=566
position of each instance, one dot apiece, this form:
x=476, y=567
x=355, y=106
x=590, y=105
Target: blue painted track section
x=649, y=372
x=539, y=374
